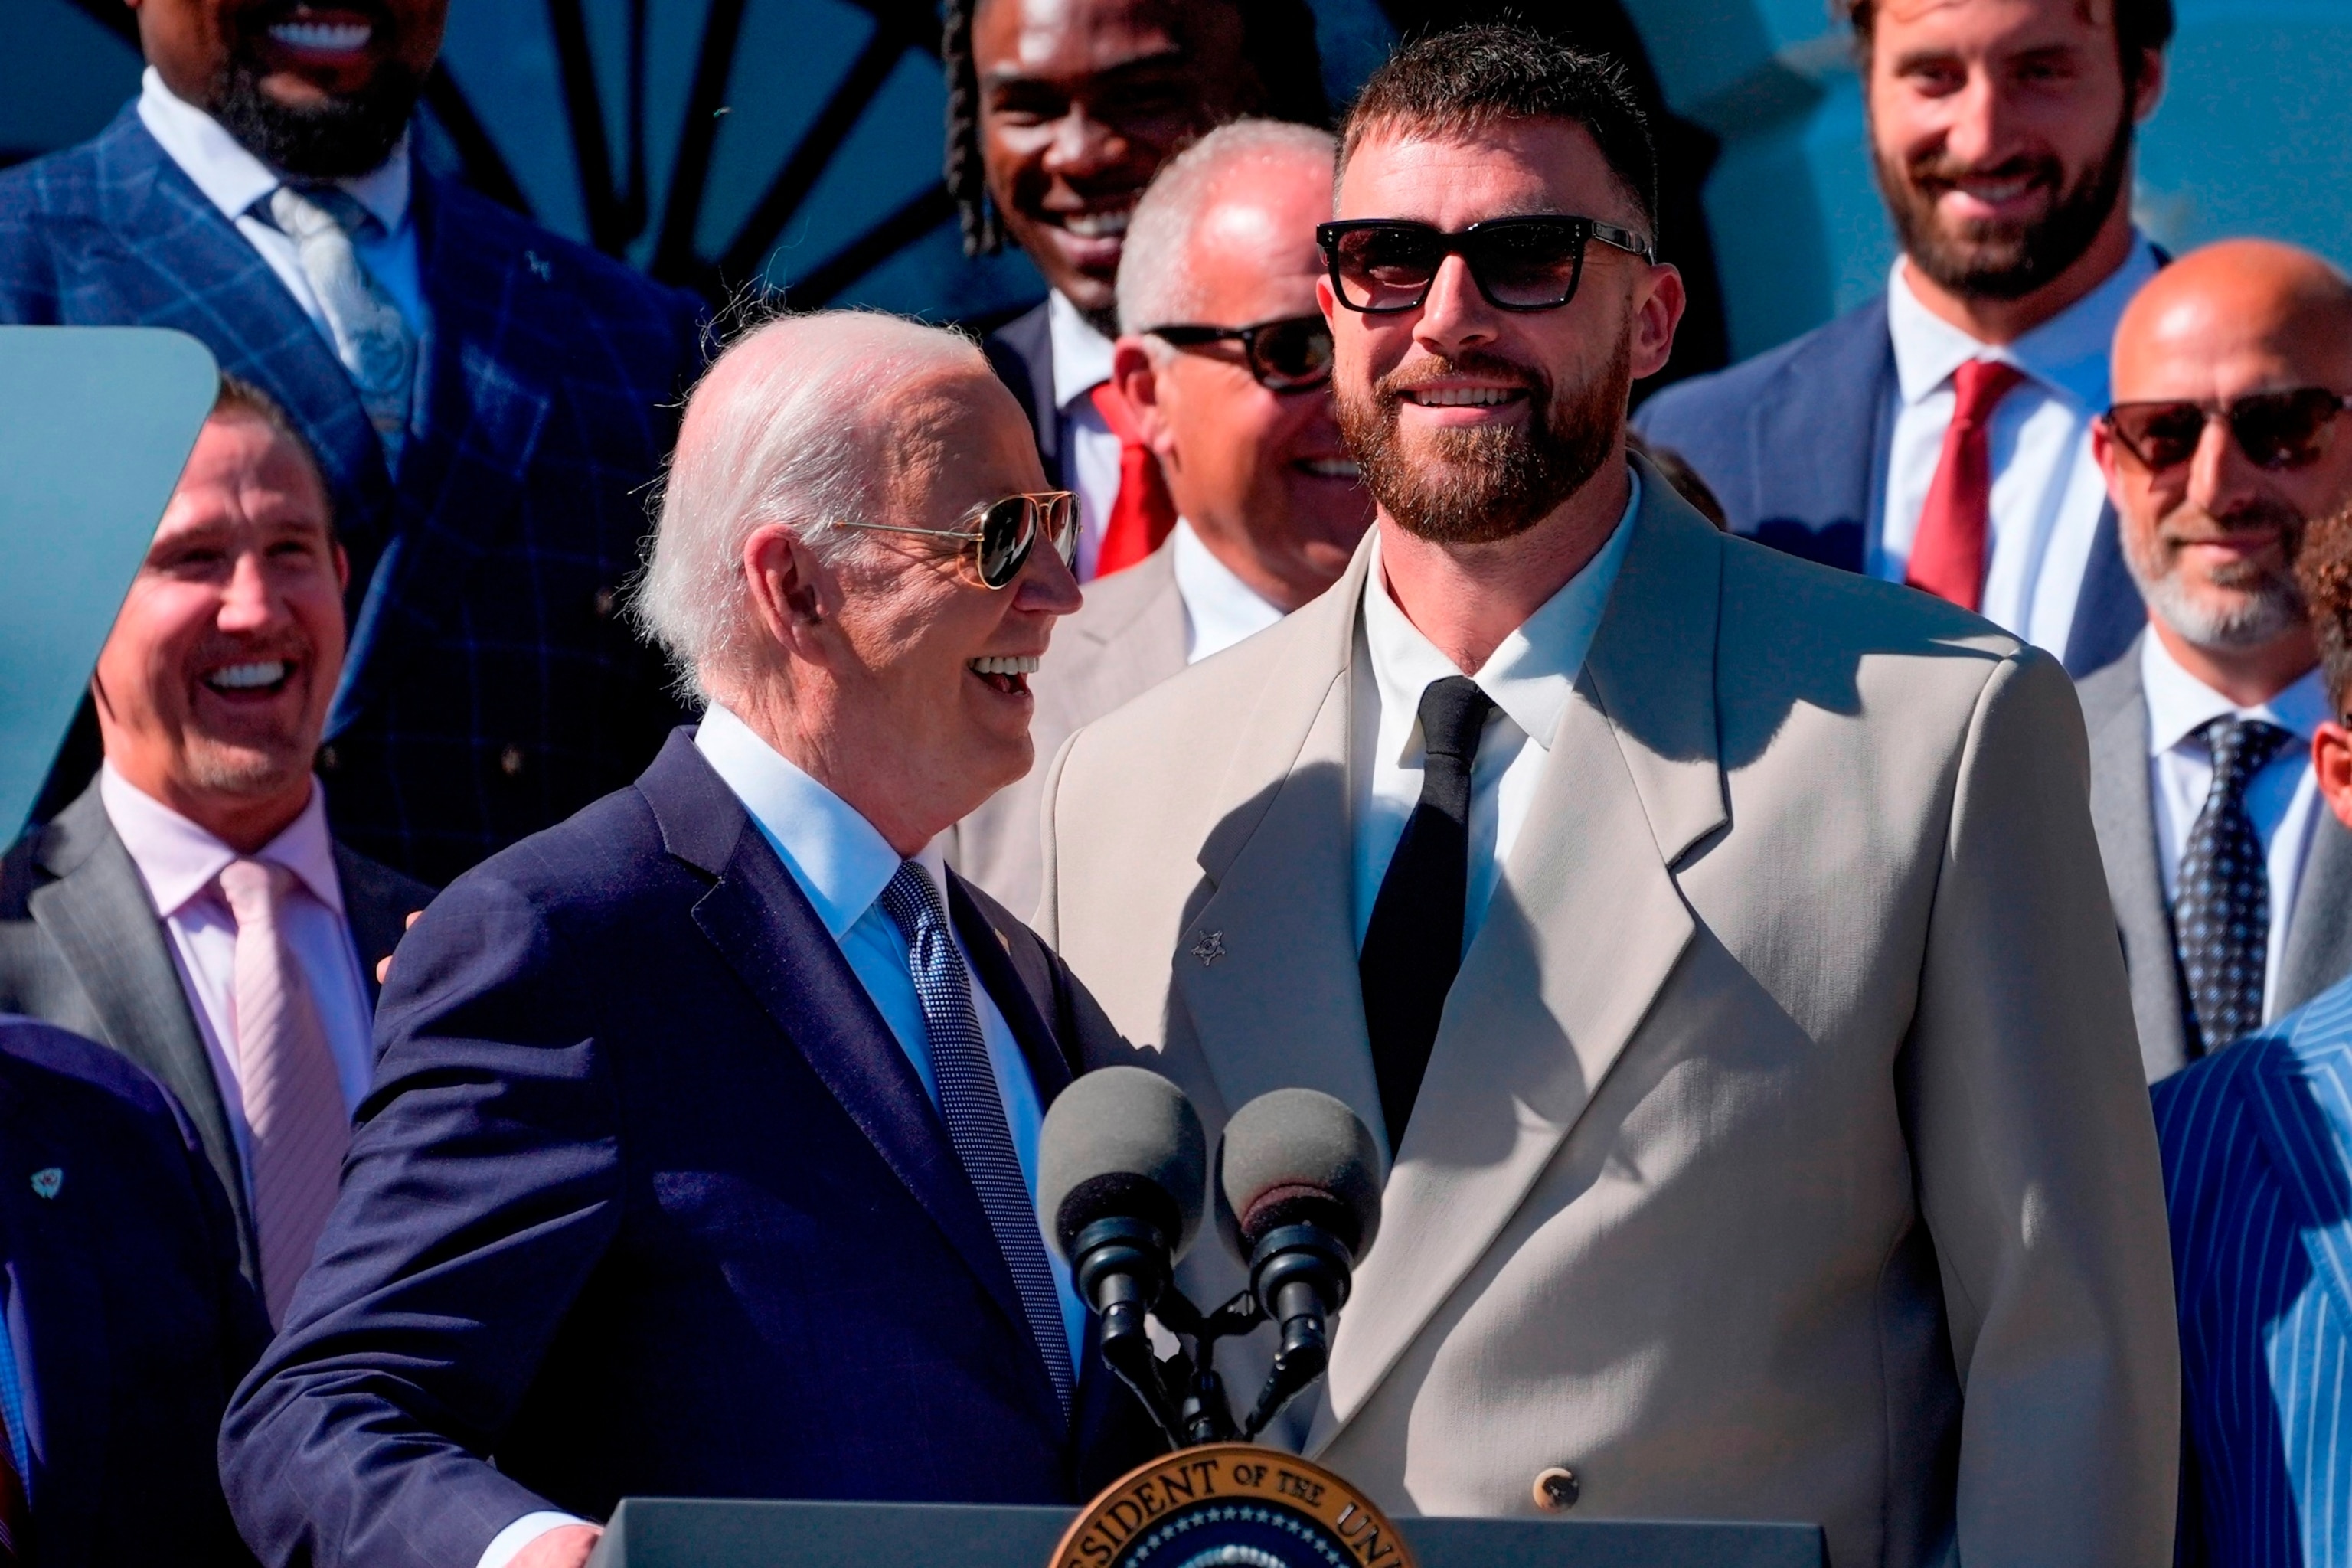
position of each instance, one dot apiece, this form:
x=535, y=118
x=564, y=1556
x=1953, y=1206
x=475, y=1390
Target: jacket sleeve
x=481, y=1190
x=2036, y=1159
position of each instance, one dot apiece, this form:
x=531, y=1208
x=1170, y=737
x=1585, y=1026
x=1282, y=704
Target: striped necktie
x=975, y=1113
x=371, y=337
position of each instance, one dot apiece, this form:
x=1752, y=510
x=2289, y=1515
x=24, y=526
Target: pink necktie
x=1948, y=553
x=293, y=1100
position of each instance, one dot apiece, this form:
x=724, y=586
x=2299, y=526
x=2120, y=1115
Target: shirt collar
x=2178, y=704
x=2066, y=354
x=1223, y=608
x=840, y=859
x=233, y=180
x=180, y=860
x=1531, y=675
x=1081, y=354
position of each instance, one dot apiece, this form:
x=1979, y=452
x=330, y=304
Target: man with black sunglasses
x=2231, y=883
x=1227, y=362
x=1715, y=943
x=1939, y=435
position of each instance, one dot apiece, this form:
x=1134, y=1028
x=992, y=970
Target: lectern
x=662, y=1532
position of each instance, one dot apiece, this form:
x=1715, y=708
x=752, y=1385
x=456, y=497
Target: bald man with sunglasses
x=1226, y=359
x=2232, y=884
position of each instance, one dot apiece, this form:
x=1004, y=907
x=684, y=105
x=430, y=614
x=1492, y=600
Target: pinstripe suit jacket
x=2257, y=1145
x=490, y=690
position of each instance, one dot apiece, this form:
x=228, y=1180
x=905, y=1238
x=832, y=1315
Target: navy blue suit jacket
x=490, y=689
x=648, y=1199
x=124, y=1307
x=1790, y=443
x=2257, y=1144
x=1021, y=352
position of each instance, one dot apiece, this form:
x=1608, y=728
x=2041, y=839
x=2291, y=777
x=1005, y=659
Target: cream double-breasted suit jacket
x=1784, y=1153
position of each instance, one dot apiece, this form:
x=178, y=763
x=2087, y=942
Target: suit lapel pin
x=48, y=1180
x=1210, y=948
x=541, y=267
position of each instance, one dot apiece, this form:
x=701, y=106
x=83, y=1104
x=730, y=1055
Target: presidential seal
x=1232, y=1505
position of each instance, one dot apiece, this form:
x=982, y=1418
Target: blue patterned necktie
x=975, y=1113
x=2222, y=915
x=371, y=336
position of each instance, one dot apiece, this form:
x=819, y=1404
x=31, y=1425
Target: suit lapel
x=463, y=468
x=1814, y=442
x=105, y=926
x=55, y=1320
x=762, y=925
x=2319, y=933
x=377, y=902
x=168, y=257
x=2302, y=1094
x=1271, y=955
x=2114, y=709
x=1585, y=926
x=2110, y=615
x=1050, y=1065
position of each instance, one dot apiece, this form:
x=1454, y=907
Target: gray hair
x=1156, y=286
x=788, y=427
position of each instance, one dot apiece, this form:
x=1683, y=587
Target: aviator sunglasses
x=1383, y=265
x=995, y=542
x=1291, y=354
x=2274, y=429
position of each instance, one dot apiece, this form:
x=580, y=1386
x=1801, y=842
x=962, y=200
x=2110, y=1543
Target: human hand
x=565, y=1546
x=384, y=964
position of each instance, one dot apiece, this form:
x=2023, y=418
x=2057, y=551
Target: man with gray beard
x=2232, y=884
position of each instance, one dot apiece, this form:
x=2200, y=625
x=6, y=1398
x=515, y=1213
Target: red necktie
x=15, y=1514
x=1947, y=552
x=1144, y=515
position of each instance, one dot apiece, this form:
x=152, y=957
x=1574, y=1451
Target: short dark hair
x=238, y=395
x=2324, y=569
x=2143, y=27
x=1277, y=40
x=1470, y=78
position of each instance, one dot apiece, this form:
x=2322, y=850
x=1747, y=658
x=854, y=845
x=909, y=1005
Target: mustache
x=1941, y=172
x=270, y=13
x=2259, y=513
x=1420, y=373
x=216, y=650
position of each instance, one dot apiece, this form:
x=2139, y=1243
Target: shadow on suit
x=649, y=1200
x=124, y=1305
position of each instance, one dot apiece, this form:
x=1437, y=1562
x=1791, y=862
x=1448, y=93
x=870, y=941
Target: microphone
x=1122, y=1182
x=1298, y=1184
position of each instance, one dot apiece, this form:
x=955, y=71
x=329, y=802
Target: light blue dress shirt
x=12, y=1407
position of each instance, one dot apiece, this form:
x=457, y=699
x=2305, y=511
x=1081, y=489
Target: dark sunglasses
x=996, y=538
x=2274, y=429
x=1288, y=355
x=1381, y=265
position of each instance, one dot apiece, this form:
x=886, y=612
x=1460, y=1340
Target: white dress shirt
x=2283, y=800
x=2047, y=493
x=1089, y=450
x=239, y=184
x=1529, y=677
x=841, y=865
x=1220, y=609
x=181, y=863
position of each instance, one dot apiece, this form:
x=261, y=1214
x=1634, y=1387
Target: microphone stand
x=1184, y=1392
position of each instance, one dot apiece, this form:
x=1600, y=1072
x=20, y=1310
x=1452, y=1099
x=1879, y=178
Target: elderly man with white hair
x=702, y=1152
x=1225, y=362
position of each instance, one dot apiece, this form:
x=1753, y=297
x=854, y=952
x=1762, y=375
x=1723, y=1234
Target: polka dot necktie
x=2222, y=915
x=975, y=1113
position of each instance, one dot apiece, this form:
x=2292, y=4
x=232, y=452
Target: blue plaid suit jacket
x=491, y=688
x=2257, y=1175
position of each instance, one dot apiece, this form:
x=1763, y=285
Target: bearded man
x=1940, y=434
x=2232, y=881
x=1716, y=942
x=487, y=402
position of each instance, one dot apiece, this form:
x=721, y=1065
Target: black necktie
x=2221, y=911
x=1414, y=946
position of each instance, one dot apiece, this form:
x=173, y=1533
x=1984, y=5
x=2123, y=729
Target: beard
x=337, y=139
x=1999, y=261
x=2243, y=604
x=1496, y=482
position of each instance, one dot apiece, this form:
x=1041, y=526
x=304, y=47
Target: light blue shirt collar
x=233, y=180
x=2066, y=354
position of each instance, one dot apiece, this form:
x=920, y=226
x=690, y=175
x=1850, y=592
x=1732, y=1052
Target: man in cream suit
x=1226, y=361
x=1725, y=959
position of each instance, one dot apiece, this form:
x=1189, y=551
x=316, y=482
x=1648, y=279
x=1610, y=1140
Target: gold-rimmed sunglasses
x=997, y=536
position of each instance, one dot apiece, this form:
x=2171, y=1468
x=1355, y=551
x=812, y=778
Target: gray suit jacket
x=81, y=945
x=1127, y=637
x=1783, y=1152
x=2319, y=930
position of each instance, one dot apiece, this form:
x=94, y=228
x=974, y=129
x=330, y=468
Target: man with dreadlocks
x=1059, y=113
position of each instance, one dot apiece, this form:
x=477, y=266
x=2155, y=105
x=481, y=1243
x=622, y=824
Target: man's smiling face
x=1081, y=102
x=213, y=687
